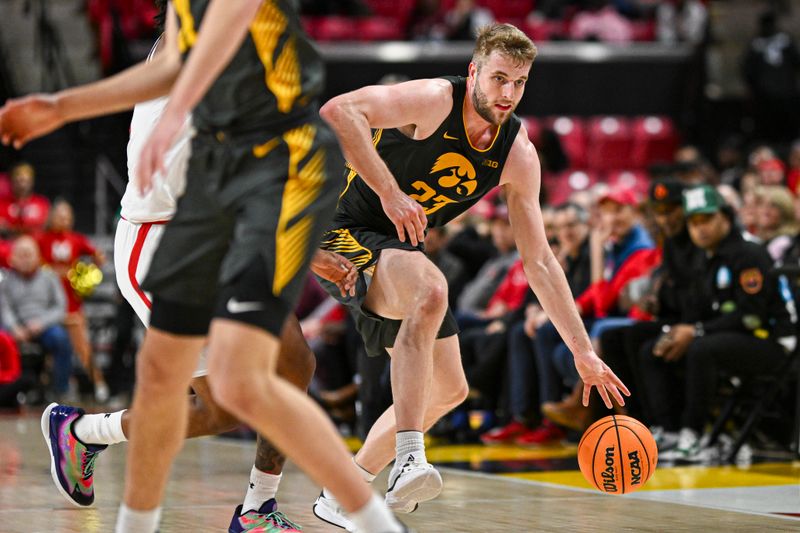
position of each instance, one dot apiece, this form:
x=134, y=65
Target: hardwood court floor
x=210, y=476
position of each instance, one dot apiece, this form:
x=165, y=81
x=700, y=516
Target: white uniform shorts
x=134, y=246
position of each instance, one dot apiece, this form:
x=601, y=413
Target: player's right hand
x=27, y=118
x=407, y=216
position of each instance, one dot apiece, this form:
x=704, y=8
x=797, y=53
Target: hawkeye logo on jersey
x=451, y=171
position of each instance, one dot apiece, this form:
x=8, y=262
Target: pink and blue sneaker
x=71, y=461
x=267, y=519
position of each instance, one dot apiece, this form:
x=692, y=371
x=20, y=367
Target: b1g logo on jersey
x=451, y=171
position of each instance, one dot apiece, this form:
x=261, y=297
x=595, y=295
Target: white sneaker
x=410, y=483
x=328, y=510
x=665, y=440
x=689, y=447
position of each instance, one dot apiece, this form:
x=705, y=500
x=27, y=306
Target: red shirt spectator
x=511, y=292
x=61, y=248
x=26, y=212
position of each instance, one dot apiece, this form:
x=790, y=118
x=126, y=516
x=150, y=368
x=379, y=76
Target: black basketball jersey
x=443, y=172
x=273, y=79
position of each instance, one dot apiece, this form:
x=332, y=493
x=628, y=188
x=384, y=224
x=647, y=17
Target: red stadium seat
x=655, y=140
x=541, y=29
x=560, y=186
x=636, y=180
x=336, y=29
x=571, y=132
x=310, y=26
x=504, y=9
x=400, y=10
x=609, y=143
x=644, y=30
x=534, y=128
x=379, y=29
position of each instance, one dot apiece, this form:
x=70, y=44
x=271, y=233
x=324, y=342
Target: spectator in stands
x=674, y=302
x=620, y=251
x=475, y=297
x=793, y=176
x=775, y=220
x=744, y=327
x=34, y=306
x=770, y=68
x=684, y=21
x=61, y=248
x=11, y=380
x=730, y=161
x=601, y=22
x=27, y=212
x=526, y=392
x=462, y=22
x=771, y=172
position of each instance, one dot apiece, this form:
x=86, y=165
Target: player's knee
x=432, y=298
x=230, y=391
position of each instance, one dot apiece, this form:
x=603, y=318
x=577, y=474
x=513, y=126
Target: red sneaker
x=547, y=433
x=505, y=434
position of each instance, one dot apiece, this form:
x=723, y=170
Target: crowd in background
x=41, y=294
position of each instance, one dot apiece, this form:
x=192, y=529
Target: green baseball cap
x=703, y=199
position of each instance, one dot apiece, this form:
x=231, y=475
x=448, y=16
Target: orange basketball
x=617, y=454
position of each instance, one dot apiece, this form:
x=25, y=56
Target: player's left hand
x=336, y=269
x=595, y=373
x=151, y=159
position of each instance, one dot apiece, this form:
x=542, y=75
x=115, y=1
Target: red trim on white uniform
x=133, y=262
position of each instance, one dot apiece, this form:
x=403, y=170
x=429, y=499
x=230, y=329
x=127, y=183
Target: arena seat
x=542, y=29
x=560, y=186
x=335, y=28
x=399, y=10
x=379, y=29
x=609, y=143
x=655, y=140
x=504, y=9
x=637, y=180
x=571, y=132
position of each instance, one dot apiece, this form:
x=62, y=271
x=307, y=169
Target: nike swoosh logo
x=446, y=136
x=235, y=307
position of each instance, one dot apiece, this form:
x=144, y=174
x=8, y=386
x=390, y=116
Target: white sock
x=411, y=442
x=375, y=516
x=368, y=476
x=130, y=521
x=105, y=428
x=262, y=487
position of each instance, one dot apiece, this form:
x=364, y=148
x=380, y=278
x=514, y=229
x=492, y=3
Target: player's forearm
x=547, y=279
x=355, y=138
x=120, y=92
x=224, y=28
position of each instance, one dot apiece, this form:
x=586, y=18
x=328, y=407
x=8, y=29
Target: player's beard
x=481, y=104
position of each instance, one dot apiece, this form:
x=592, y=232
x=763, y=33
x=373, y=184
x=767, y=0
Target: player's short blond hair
x=506, y=39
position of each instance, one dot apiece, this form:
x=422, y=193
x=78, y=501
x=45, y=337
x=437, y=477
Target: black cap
x=667, y=191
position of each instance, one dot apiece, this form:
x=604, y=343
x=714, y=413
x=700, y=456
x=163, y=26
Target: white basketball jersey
x=160, y=203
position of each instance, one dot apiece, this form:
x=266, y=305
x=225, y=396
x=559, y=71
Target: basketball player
x=243, y=224
x=138, y=233
x=442, y=144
